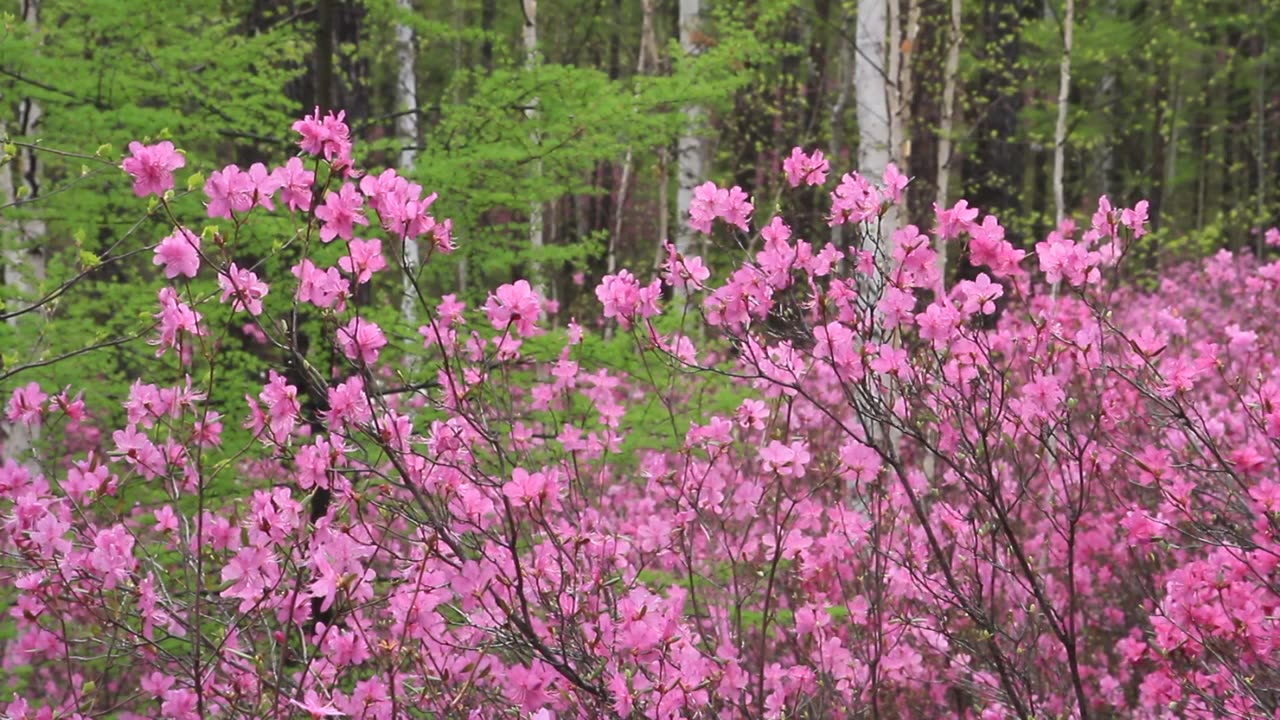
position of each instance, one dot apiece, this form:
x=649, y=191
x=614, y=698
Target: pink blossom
x=245, y=287
x=711, y=202
x=177, y=320
x=687, y=273
x=265, y=185
x=26, y=405
x=339, y=211
x=526, y=488
x=364, y=260
x=294, y=182
x=958, y=219
x=322, y=288
x=361, y=340
x=626, y=300
x=980, y=295
x=152, y=167
x=894, y=183
x=230, y=190
x=327, y=137
x=514, y=305
x=807, y=169
x=179, y=253
x=854, y=200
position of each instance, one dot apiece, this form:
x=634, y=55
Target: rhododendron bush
x=1035, y=492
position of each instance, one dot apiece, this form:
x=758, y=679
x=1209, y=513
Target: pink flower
x=245, y=286
x=265, y=185
x=807, y=169
x=786, y=460
x=112, y=556
x=980, y=295
x=328, y=137
x=862, y=461
x=282, y=404
x=711, y=202
x=624, y=298
x=685, y=272
x=179, y=253
x=365, y=259
x=322, y=288
x=347, y=404
x=854, y=200
x=230, y=190
x=894, y=183
x=1135, y=219
x=166, y=520
x=956, y=220
x=361, y=340
x=526, y=488
x=152, y=167
x=176, y=320
x=315, y=706
x=26, y=405
x=294, y=182
x=515, y=305
x=938, y=324
x=339, y=211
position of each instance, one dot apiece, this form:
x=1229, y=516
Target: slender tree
x=871, y=89
x=1060, y=129
x=947, y=125
x=530, y=37
x=24, y=260
x=692, y=147
x=408, y=135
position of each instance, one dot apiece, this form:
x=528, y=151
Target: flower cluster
x=1037, y=493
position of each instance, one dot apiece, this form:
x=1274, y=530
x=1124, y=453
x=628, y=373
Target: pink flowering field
x=1029, y=490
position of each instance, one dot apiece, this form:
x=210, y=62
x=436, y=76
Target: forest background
x=566, y=137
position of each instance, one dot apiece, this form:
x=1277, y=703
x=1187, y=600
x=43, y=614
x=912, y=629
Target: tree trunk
x=535, y=207
x=994, y=170
x=1060, y=129
x=691, y=148
x=947, y=126
x=871, y=95
x=407, y=132
x=844, y=65
x=24, y=261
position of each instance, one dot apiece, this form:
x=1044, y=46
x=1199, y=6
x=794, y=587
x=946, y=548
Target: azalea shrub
x=1035, y=492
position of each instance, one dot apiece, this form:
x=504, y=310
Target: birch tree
x=21, y=238
x=530, y=8
x=947, y=124
x=871, y=96
x=407, y=132
x=691, y=148
x=1060, y=129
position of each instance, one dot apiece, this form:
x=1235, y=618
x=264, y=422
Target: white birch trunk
x=871, y=88
x=535, y=207
x=23, y=258
x=407, y=133
x=947, y=123
x=871, y=91
x=844, y=65
x=1060, y=130
x=691, y=148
